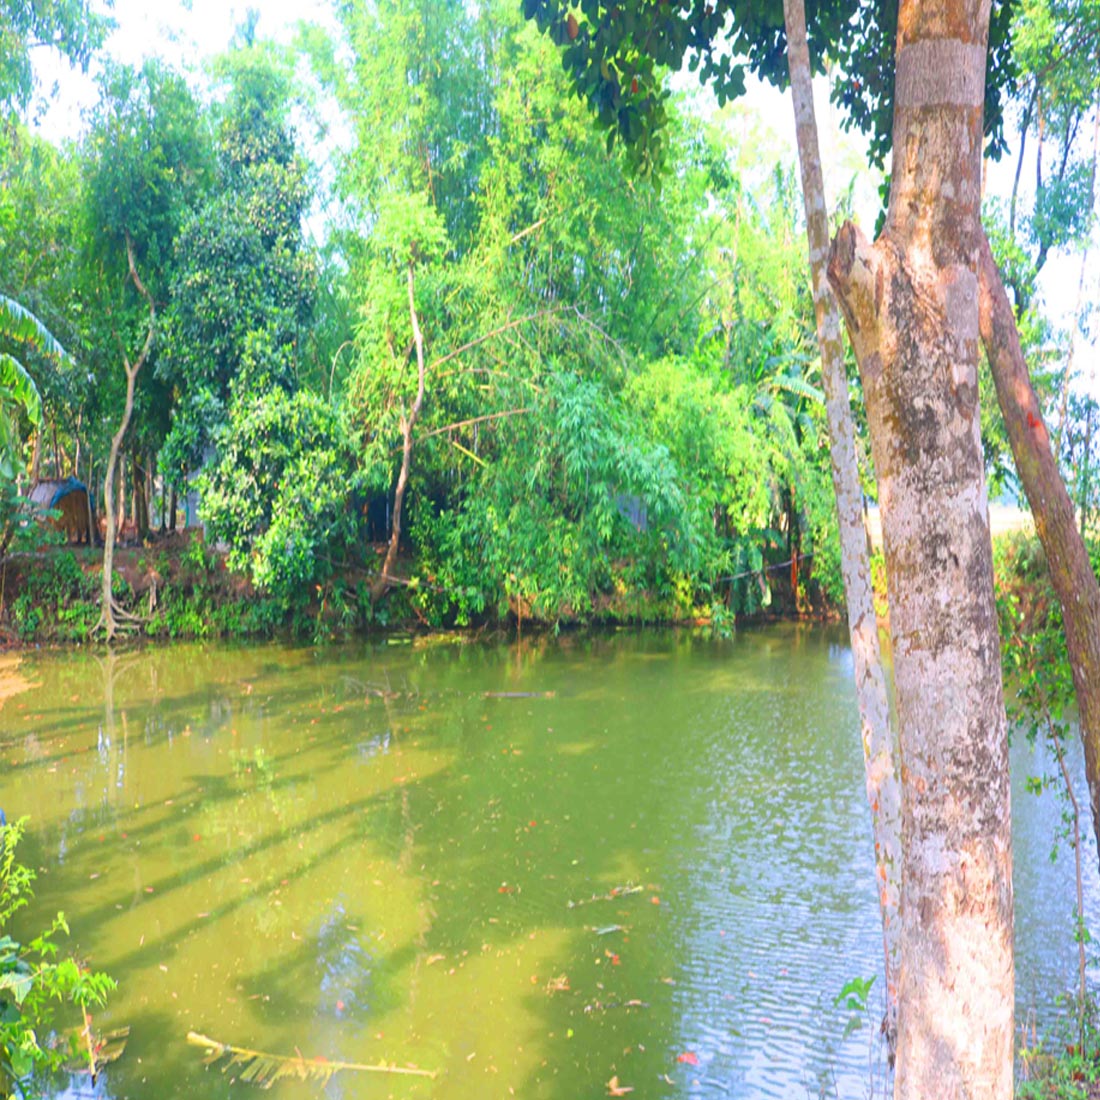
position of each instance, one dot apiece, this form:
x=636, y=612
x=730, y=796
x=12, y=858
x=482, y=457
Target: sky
x=184, y=32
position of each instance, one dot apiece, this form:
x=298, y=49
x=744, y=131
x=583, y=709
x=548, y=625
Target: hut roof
x=49, y=492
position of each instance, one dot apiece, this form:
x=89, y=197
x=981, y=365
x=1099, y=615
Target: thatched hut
x=69, y=499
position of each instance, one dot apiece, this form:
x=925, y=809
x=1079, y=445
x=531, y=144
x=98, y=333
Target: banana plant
x=18, y=393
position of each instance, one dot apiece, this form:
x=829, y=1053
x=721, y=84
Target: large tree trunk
x=883, y=792
x=110, y=613
x=1070, y=569
x=911, y=304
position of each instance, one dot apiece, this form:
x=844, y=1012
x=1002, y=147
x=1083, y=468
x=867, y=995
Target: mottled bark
x=877, y=735
x=110, y=614
x=1070, y=569
x=911, y=304
x=385, y=579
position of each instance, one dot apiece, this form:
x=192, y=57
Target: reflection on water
x=531, y=868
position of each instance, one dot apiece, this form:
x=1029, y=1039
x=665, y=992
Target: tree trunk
x=911, y=304
x=120, y=520
x=385, y=579
x=36, y=455
x=877, y=735
x=1071, y=572
x=93, y=528
x=109, y=614
x=141, y=506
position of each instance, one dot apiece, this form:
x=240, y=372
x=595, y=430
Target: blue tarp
x=69, y=485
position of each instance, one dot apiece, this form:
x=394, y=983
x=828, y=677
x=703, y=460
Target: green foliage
x=35, y=979
x=149, y=163
x=574, y=505
x=244, y=286
x=72, y=27
x=279, y=493
x=617, y=53
x=853, y=997
x=55, y=600
x=1081, y=463
x=620, y=413
x=18, y=393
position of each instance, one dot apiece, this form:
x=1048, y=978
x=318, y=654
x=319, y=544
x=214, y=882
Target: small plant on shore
x=34, y=980
x=1059, y=1069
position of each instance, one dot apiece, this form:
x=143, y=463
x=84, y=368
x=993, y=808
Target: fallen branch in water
x=518, y=694
x=263, y=1069
x=613, y=894
x=599, y=1006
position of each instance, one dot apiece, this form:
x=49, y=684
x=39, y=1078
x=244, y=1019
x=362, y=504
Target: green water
x=529, y=868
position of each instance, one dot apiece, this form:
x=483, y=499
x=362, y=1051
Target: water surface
x=533, y=868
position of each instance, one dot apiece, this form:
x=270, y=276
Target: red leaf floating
x=688, y=1058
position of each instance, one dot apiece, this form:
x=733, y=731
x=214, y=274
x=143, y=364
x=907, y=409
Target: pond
x=539, y=869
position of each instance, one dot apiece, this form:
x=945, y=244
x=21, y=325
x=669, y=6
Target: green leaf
x=18, y=323
x=18, y=983
x=18, y=388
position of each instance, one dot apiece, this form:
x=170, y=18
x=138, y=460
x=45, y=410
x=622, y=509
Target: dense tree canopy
x=576, y=322
x=69, y=26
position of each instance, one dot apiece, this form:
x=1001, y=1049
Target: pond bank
x=180, y=588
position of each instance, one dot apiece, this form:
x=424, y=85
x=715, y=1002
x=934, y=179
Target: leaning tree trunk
x=883, y=793
x=911, y=304
x=111, y=613
x=385, y=579
x=1071, y=572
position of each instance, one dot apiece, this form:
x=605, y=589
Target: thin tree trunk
x=385, y=578
x=150, y=490
x=110, y=613
x=36, y=455
x=877, y=735
x=911, y=304
x=121, y=518
x=141, y=508
x=93, y=529
x=1070, y=569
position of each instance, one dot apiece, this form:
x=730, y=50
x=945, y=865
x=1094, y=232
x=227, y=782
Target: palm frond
x=17, y=386
x=261, y=1068
x=18, y=323
x=791, y=383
